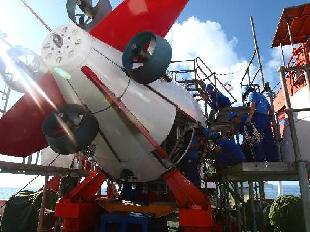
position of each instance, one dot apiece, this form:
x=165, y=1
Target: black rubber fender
x=157, y=60
x=82, y=133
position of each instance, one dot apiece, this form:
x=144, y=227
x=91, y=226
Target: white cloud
x=205, y=39
x=275, y=62
x=194, y=38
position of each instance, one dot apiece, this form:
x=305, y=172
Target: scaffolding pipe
x=252, y=205
x=257, y=50
x=238, y=208
x=42, y=209
x=227, y=206
x=275, y=126
x=244, y=224
x=301, y=165
x=261, y=186
x=248, y=67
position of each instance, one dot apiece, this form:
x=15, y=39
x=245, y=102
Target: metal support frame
x=301, y=165
x=78, y=208
x=193, y=204
x=195, y=207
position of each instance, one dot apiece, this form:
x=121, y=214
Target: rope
x=36, y=15
x=276, y=86
x=36, y=177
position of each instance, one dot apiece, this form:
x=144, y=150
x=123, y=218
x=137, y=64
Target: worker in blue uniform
x=238, y=122
x=189, y=165
x=259, y=112
x=227, y=152
x=215, y=98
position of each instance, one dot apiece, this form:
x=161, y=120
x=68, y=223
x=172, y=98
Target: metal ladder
x=196, y=77
x=4, y=100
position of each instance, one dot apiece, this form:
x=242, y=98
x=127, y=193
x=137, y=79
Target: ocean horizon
x=271, y=191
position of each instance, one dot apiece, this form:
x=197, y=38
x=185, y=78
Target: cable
x=120, y=97
x=122, y=69
x=36, y=177
x=112, y=61
x=36, y=15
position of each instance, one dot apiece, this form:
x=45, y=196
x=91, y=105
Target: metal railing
x=199, y=75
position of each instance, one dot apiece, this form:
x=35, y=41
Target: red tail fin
x=20, y=128
x=134, y=16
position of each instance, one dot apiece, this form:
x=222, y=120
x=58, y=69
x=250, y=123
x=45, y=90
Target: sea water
x=271, y=191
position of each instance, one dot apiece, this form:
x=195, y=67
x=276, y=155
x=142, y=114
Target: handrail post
x=301, y=165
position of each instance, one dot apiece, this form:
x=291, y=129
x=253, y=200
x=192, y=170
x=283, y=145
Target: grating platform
x=259, y=171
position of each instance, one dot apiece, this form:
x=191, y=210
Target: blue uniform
x=266, y=149
x=231, y=153
x=242, y=123
x=218, y=100
x=130, y=194
x=261, y=103
x=189, y=164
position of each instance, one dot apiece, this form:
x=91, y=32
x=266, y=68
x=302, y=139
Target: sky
x=218, y=31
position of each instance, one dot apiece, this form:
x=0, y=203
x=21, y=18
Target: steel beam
x=33, y=169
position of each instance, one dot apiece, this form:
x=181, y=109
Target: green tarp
x=22, y=211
